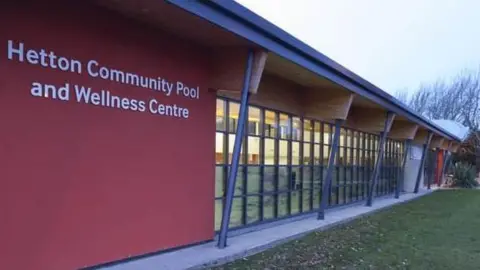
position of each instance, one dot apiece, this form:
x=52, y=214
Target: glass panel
x=295, y=153
x=218, y=213
x=270, y=124
x=355, y=139
x=237, y=210
x=219, y=153
x=253, y=179
x=327, y=134
x=253, y=150
x=239, y=182
x=269, y=179
x=283, y=152
x=254, y=121
x=220, y=117
x=341, y=156
x=348, y=197
x=295, y=202
x=349, y=138
x=342, y=137
x=269, y=151
x=296, y=181
x=296, y=128
x=306, y=195
x=307, y=159
x=317, y=177
x=317, y=131
x=233, y=116
x=282, y=204
x=253, y=213
x=307, y=177
x=219, y=181
x=231, y=143
x=341, y=195
x=316, y=198
x=268, y=207
x=283, y=179
x=316, y=154
x=285, y=126
x=307, y=130
x=326, y=154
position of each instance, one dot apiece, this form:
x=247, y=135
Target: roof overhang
x=239, y=20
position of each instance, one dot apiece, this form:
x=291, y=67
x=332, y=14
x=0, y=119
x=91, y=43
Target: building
x=119, y=125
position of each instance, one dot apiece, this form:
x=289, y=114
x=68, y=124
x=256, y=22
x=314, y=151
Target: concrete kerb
x=266, y=246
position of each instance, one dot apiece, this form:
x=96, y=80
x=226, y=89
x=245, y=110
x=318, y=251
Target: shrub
x=464, y=175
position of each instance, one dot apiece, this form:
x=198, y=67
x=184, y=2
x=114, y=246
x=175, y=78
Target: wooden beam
x=367, y=119
x=454, y=147
x=274, y=93
x=327, y=104
x=436, y=142
x=421, y=136
x=445, y=145
x=403, y=130
x=229, y=68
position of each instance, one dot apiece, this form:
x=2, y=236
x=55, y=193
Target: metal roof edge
x=236, y=18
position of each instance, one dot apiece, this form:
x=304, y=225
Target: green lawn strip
x=439, y=231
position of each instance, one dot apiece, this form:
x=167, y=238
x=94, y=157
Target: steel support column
x=422, y=161
x=433, y=170
x=327, y=181
x=222, y=239
x=446, y=162
x=406, y=148
x=380, y=152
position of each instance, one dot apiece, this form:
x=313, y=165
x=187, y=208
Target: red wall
x=80, y=184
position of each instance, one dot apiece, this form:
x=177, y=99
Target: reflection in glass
x=253, y=179
x=234, y=108
x=269, y=179
x=307, y=130
x=254, y=120
x=219, y=147
x=219, y=181
x=269, y=151
x=237, y=210
x=296, y=128
x=253, y=156
x=317, y=131
x=253, y=213
x=283, y=152
x=270, y=124
x=307, y=159
x=285, y=127
x=295, y=153
x=220, y=115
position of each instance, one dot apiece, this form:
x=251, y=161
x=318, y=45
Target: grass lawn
x=439, y=231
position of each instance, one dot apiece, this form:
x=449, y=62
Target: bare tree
x=402, y=96
x=457, y=99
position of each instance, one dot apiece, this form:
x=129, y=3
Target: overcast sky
x=395, y=45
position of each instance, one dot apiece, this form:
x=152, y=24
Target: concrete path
x=200, y=256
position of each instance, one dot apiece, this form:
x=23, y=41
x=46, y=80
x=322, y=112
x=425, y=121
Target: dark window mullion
x=262, y=162
x=225, y=151
x=244, y=173
x=301, y=145
x=289, y=164
x=321, y=162
x=351, y=168
x=312, y=163
x=276, y=161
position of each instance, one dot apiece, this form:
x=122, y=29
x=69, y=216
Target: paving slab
x=204, y=255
